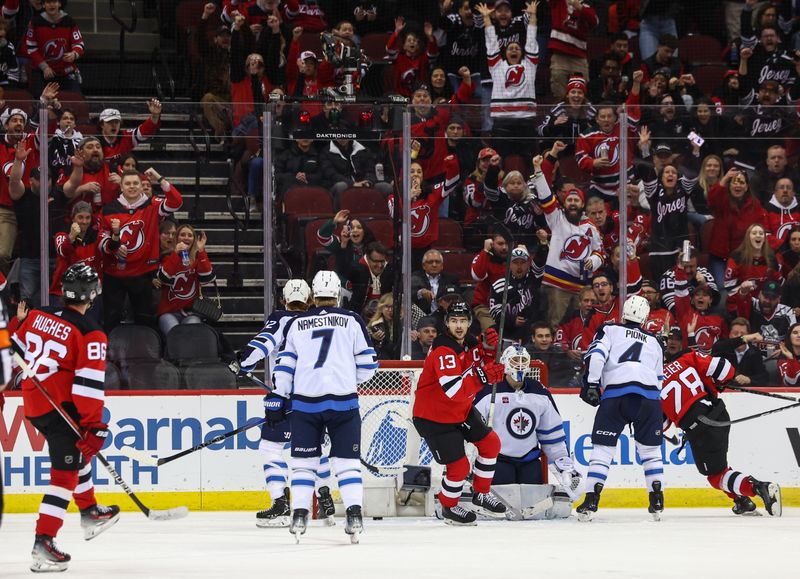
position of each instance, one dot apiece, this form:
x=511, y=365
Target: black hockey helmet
x=458, y=310
x=80, y=284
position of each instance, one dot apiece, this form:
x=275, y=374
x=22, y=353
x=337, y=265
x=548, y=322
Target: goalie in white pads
x=326, y=353
x=527, y=421
x=275, y=437
x=623, y=378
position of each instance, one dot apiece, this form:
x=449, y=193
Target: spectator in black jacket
x=426, y=283
x=372, y=277
x=522, y=304
x=541, y=347
x=215, y=82
x=298, y=166
x=346, y=163
x=745, y=358
x=425, y=335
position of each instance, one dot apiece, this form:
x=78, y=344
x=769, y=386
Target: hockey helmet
x=326, y=284
x=636, y=310
x=296, y=290
x=517, y=362
x=80, y=284
x=458, y=310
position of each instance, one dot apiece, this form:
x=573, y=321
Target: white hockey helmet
x=636, y=310
x=326, y=284
x=296, y=290
x=517, y=362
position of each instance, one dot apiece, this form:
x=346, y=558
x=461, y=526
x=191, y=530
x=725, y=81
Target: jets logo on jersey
x=520, y=423
x=183, y=287
x=54, y=49
x=607, y=148
x=576, y=247
x=132, y=235
x=515, y=75
x=420, y=220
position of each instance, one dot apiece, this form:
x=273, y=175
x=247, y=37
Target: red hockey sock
x=55, y=501
x=84, y=492
x=483, y=471
x=732, y=483
x=453, y=482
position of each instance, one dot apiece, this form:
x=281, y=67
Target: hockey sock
x=652, y=464
x=453, y=482
x=55, y=501
x=488, y=449
x=84, y=492
x=304, y=473
x=348, y=475
x=323, y=474
x=732, y=483
x=599, y=463
x=275, y=467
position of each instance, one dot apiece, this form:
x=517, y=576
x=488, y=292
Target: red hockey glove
x=93, y=440
x=494, y=372
x=491, y=339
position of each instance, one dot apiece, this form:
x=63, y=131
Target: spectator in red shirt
x=54, y=45
x=181, y=274
x=305, y=74
x=90, y=179
x=789, y=364
x=115, y=142
x=487, y=267
x=410, y=57
x=570, y=332
x=750, y=265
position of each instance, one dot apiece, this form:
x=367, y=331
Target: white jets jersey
x=267, y=342
x=524, y=419
x=326, y=353
x=625, y=359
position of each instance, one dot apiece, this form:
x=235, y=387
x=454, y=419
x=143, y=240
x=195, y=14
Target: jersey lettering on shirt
x=691, y=377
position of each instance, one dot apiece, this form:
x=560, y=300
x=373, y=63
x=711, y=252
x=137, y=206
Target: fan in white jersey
x=623, y=379
x=326, y=353
x=527, y=421
x=275, y=438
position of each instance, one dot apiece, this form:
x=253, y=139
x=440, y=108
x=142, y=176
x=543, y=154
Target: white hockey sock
x=304, y=473
x=652, y=464
x=599, y=463
x=323, y=473
x=275, y=467
x=348, y=475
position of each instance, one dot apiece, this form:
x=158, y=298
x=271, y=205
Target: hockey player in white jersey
x=623, y=378
x=275, y=437
x=527, y=421
x=326, y=353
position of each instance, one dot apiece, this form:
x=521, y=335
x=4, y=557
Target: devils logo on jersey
x=706, y=337
x=131, y=235
x=54, y=49
x=520, y=423
x=576, y=247
x=420, y=220
x=409, y=78
x=184, y=286
x=608, y=148
x=515, y=75
x=784, y=229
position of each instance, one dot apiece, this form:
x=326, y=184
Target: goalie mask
x=517, y=362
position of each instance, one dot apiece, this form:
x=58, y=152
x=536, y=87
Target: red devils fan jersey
x=448, y=383
x=691, y=377
x=138, y=232
x=709, y=328
x=67, y=253
x=7, y=153
x=108, y=191
x=409, y=71
x=789, y=372
x=570, y=333
x=513, y=88
x=180, y=283
x=48, y=43
x=67, y=353
x=128, y=139
x=659, y=321
x=486, y=269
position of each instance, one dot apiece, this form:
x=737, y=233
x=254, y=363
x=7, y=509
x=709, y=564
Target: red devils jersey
x=7, y=154
x=659, y=321
x=48, y=42
x=67, y=353
x=486, y=269
x=128, y=139
x=691, y=377
x=67, y=253
x=138, y=232
x=408, y=71
x=108, y=191
x=789, y=372
x=709, y=327
x=569, y=334
x=448, y=383
x=180, y=283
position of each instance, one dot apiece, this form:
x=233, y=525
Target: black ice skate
x=458, y=515
x=487, y=504
x=47, y=558
x=277, y=515
x=744, y=506
x=299, y=523
x=656, y=501
x=588, y=507
x=354, y=524
x=325, y=508
x=98, y=519
x=770, y=493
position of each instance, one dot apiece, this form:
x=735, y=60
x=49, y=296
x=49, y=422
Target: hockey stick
x=711, y=422
x=149, y=460
x=152, y=514
x=760, y=393
x=237, y=370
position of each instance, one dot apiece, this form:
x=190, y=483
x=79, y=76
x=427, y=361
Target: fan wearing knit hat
x=570, y=117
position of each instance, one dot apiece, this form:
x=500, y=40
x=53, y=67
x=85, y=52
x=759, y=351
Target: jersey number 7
x=324, y=347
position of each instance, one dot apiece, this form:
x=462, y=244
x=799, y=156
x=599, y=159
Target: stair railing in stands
x=239, y=225
x=159, y=63
x=123, y=28
x=202, y=154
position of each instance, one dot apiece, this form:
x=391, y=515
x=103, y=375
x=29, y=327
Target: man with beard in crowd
x=91, y=179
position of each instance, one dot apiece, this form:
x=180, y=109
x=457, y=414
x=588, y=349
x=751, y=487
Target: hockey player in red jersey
x=67, y=352
x=692, y=382
x=457, y=368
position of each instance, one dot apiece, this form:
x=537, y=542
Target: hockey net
x=388, y=438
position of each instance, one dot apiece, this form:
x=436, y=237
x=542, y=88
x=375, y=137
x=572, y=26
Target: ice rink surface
x=619, y=543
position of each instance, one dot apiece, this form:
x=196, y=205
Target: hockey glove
x=489, y=342
x=275, y=410
x=590, y=393
x=494, y=372
x=571, y=479
x=92, y=440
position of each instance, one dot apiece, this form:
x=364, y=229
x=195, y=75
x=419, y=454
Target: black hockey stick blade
x=711, y=422
x=381, y=470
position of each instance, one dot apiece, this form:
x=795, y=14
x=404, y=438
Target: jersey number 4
x=632, y=354
x=325, y=345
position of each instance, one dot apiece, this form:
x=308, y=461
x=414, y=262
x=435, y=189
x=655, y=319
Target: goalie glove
x=570, y=478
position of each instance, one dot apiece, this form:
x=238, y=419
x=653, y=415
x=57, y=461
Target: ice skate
x=354, y=524
x=588, y=507
x=656, y=501
x=487, y=504
x=277, y=515
x=325, y=507
x=744, y=506
x=98, y=519
x=299, y=523
x=47, y=558
x=458, y=515
x=770, y=493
